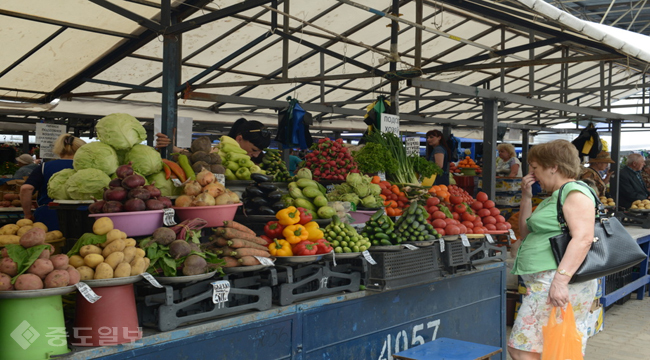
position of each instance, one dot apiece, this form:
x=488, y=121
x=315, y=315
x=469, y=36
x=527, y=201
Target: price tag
x=221, y=178
x=489, y=239
x=369, y=258
x=512, y=234
x=359, y=227
x=442, y=245
x=382, y=176
x=410, y=247
x=177, y=182
x=464, y=240
x=333, y=257
x=220, y=291
x=264, y=261
x=168, y=217
x=330, y=188
x=87, y=292
x=323, y=282
x=151, y=280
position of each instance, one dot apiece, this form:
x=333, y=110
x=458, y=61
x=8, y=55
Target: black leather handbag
x=612, y=250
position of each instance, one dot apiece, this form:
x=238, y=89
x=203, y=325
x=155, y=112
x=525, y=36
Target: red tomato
x=439, y=215
x=455, y=199
x=459, y=208
x=501, y=226
x=478, y=230
x=468, y=217
x=481, y=196
x=488, y=204
x=433, y=201
x=449, y=221
x=438, y=223
x=508, y=225
x=489, y=220
x=477, y=205
x=433, y=209
x=463, y=228
x=468, y=224
x=478, y=222
x=494, y=212
x=483, y=213
x=452, y=230
x=440, y=231
x=491, y=227
x=455, y=215
x=500, y=219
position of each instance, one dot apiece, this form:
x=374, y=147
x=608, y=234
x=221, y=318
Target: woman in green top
x=553, y=164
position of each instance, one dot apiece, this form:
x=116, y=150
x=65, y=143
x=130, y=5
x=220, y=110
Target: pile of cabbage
x=120, y=137
x=359, y=190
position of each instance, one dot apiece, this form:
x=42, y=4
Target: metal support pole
x=25, y=147
x=394, y=32
x=524, y=152
x=285, y=46
x=446, y=131
x=531, y=69
x=615, y=150
x=170, y=77
x=418, y=47
x=490, y=108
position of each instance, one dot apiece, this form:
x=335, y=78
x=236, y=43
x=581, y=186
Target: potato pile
x=10, y=200
x=48, y=271
x=641, y=204
x=11, y=233
x=607, y=201
x=117, y=257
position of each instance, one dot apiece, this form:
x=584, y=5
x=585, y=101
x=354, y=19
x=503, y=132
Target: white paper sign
x=368, y=258
x=464, y=240
x=183, y=130
x=412, y=146
x=87, y=292
x=220, y=291
x=151, y=280
x=168, y=217
x=264, y=261
x=489, y=239
x=410, y=247
x=389, y=123
x=442, y=245
x=512, y=234
x=333, y=257
x=221, y=178
x=382, y=176
x=46, y=135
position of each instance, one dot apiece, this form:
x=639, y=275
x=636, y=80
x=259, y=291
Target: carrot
x=219, y=241
x=230, y=233
x=176, y=169
x=248, y=261
x=168, y=171
x=241, y=243
x=251, y=252
x=237, y=226
x=228, y=251
x=230, y=261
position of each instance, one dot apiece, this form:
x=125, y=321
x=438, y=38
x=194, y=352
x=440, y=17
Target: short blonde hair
x=560, y=153
x=509, y=148
x=67, y=145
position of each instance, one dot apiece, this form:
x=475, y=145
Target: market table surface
x=448, y=349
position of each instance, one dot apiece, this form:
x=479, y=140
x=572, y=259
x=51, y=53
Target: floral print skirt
x=534, y=312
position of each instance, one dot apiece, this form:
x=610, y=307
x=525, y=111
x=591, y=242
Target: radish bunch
x=330, y=160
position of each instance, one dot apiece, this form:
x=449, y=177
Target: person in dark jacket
x=631, y=185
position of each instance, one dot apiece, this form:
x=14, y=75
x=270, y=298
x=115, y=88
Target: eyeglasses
x=264, y=131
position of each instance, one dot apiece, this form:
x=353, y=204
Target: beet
x=117, y=182
x=96, y=207
x=167, y=203
x=124, y=170
x=153, y=204
x=112, y=207
x=164, y=236
x=115, y=194
x=133, y=181
x=153, y=190
x=134, y=205
x=139, y=193
x=194, y=265
x=179, y=248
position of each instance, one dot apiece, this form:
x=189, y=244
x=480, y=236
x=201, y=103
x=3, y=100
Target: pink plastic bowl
x=135, y=223
x=214, y=215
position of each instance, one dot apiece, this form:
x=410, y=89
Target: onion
x=233, y=196
x=153, y=190
x=117, y=182
x=223, y=199
x=112, y=207
x=153, y=204
x=133, y=181
x=214, y=189
x=134, y=205
x=184, y=201
x=96, y=207
x=115, y=194
x=124, y=170
x=192, y=188
x=139, y=193
x=205, y=177
x=167, y=203
x=203, y=199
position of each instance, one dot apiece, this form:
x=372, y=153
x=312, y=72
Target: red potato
x=73, y=274
x=8, y=267
x=41, y=268
x=60, y=262
x=45, y=254
x=57, y=278
x=3, y=253
x=28, y=282
x=5, y=282
x=33, y=237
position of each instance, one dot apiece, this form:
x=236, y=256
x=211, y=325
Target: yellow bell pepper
x=280, y=248
x=314, y=231
x=288, y=216
x=295, y=233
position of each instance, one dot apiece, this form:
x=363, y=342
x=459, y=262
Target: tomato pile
x=453, y=211
x=395, y=200
x=330, y=160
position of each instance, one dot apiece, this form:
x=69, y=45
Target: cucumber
x=378, y=214
x=382, y=236
x=385, y=243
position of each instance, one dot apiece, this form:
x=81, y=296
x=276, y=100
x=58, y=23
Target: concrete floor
x=626, y=333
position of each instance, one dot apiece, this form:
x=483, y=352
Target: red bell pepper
x=305, y=216
x=267, y=239
x=304, y=248
x=273, y=229
x=323, y=246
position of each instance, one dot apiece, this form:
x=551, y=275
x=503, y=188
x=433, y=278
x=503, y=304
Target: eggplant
x=259, y=178
x=274, y=196
x=249, y=211
x=267, y=188
x=265, y=210
x=257, y=201
x=278, y=205
x=253, y=191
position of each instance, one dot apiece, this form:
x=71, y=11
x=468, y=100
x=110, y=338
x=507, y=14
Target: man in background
x=26, y=164
x=631, y=186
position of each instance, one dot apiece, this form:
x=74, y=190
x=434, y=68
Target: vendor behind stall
x=597, y=165
x=645, y=174
x=26, y=166
x=507, y=163
x=65, y=146
x=438, y=153
x=631, y=185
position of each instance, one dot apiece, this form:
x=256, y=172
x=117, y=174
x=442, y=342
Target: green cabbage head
x=96, y=155
x=144, y=159
x=56, y=188
x=120, y=131
x=166, y=186
x=86, y=184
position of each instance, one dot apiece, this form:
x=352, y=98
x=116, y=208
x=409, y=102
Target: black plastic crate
x=73, y=220
x=399, y=269
x=455, y=256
